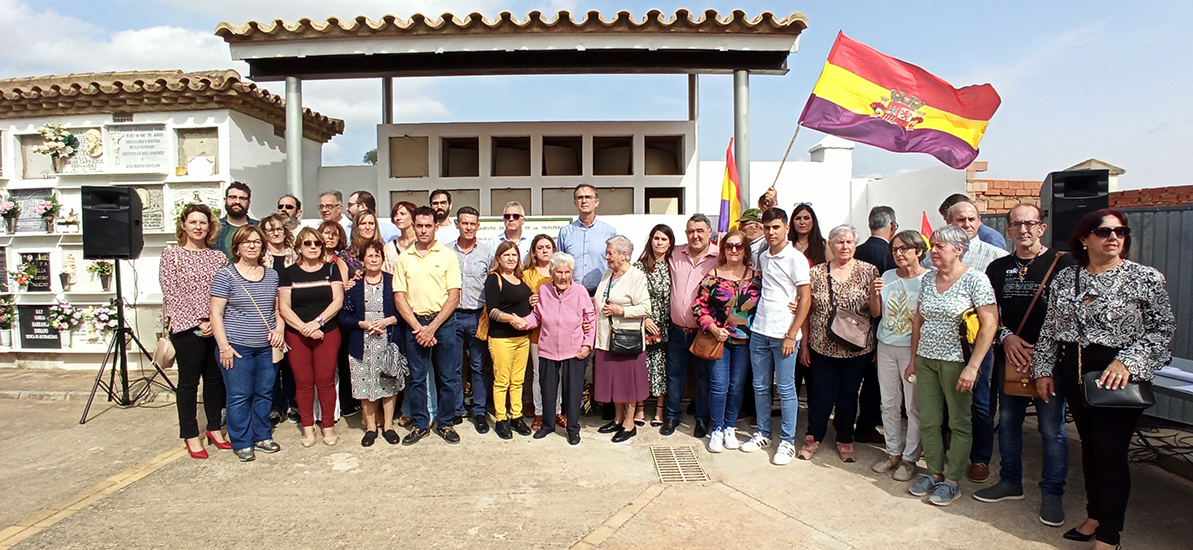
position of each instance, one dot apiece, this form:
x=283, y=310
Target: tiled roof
x=153, y=91
x=536, y=22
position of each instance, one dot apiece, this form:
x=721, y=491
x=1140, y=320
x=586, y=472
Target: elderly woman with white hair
x=838, y=358
x=564, y=315
x=622, y=304
x=944, y=367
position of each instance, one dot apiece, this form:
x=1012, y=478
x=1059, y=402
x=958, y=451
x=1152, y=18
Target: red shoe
x=198, y=455
x=561, y=421
x=221, y=445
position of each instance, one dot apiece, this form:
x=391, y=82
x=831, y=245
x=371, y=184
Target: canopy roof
x=684, y=42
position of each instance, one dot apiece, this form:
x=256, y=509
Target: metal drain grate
x=677, y=465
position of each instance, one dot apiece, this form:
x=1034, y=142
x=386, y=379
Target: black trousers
x=196, y=359
x=869, y=403
x=572, y=372
x=1105, y=438
x=837, y=383
x=348, y=404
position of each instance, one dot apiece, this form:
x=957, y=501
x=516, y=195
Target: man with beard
x=236, y=213
x=441, y=203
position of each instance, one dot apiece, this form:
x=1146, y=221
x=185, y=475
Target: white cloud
x=239, y=11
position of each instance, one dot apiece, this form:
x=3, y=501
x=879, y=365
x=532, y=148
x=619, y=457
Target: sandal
x=369, y=438
x=391, y=437
x=655, y=422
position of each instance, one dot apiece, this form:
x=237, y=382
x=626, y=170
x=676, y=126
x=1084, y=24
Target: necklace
x=1024, y=267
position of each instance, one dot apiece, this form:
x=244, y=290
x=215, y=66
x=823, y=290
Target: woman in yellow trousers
x=507, y=298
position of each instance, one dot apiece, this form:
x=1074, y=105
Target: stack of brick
x=1157, y=196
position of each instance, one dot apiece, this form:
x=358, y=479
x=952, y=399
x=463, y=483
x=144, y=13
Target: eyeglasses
x=585, y=198
x=328, y=206
x=1030, y=224
x=236, y=198
x=1121, y=232
x=312, y=243
x=512, y=216
x=275, y=230
x=287, y=207
x=902, y=249
x=733, y=246
x=251, y=243
x=894, y=226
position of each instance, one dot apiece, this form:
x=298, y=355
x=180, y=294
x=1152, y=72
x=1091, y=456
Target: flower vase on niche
x=6, y=337
x=105, y=280
x=59, y=163
x=10, y=226
x=49, y=223
x=66, y=336
x=65, y=279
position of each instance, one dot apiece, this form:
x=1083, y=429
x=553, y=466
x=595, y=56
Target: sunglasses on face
x=1121, y=232
x=287, y=207
x=512, y=216
x=312, y=243
x=734, y=246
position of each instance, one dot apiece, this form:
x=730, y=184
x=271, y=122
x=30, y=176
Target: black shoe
x=415, y=435
x=609, y=428
x=543, y=432
x=457, y=420
x=691, y=407
x=668, y=426
x=573, y=439
x=701, y=429
x=519, y=426
x=503, y=429
x=482, y=424
x=275, y=418
x=391, y=437
x=1074, y=534
x=624, y=435
x=369, y=438
x=448, y=434
x=292, y=416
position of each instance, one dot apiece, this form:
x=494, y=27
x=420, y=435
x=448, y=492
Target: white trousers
x=536, y=390
x=896, y=394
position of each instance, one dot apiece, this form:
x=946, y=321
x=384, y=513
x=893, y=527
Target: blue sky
x=1077, y=79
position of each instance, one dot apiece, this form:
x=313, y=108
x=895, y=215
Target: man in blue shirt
x=986, y=233
x=585, y=238
x=237, y=199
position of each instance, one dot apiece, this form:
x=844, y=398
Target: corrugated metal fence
x=1163, y=239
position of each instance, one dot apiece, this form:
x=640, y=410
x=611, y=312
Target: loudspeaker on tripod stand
x=112, y=223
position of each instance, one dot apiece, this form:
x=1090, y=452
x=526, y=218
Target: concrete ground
x=123, y=481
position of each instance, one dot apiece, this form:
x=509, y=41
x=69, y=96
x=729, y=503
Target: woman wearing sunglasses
x=310, y=294
x=1106, y=314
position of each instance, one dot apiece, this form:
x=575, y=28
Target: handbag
x=706, y=346
x=394, y=365
x=279, y=352
x=1015, y=382
x=1134, y=395
x=846, y=328
x=482, y=324
x=621, y=341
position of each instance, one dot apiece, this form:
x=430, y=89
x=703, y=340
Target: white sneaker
x=731, y=442
x=716, y=442
x=784, y=455
x=756, y=442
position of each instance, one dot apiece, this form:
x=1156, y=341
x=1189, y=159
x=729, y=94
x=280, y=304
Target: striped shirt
x=242, y=323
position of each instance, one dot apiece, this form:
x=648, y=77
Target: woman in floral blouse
x=655, y=262
x=724, y=307
x=842, y=283
x=1119, y=313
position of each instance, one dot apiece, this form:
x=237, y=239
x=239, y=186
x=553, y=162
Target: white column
x=741, y=132
x=294, y=137
x=692, y=202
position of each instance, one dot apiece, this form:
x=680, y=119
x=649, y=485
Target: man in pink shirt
x=689, y=264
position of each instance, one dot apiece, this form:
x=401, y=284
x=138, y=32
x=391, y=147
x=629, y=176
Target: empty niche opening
x=409, y=157
x=664, y=156
x=34, y=165
x=561, y=155
x=664, y=200
x=612, y=155
x=616, y=200
x=461, y=157
x=511, y=156
x=198, y=151
x=501, y=197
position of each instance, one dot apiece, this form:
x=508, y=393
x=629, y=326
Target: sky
x=1078, y=79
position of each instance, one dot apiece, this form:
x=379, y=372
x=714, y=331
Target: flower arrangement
x=56, y=141
x=70, y=219
x=24, y=274
x=101, y=319
x=48, y=207
x=8, y=311
x=100, y=267
x=9, y=208
x=64, y=316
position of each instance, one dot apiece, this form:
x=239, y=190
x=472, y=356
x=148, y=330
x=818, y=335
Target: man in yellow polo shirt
x=427, y=285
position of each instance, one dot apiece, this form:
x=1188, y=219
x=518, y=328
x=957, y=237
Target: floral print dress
x=658, y=284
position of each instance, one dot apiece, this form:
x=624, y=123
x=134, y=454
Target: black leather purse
x=623, y=342
x=1134, y=395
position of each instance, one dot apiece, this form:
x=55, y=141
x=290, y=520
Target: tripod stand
x=118, y=355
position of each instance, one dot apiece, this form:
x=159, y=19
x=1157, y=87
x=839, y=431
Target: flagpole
x=785, y=153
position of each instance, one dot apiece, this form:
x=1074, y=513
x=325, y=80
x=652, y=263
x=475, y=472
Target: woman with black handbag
x=622, y=304
x=1108, y=327
x=838, y=342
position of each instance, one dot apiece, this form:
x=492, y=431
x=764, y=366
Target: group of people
x=909, y=333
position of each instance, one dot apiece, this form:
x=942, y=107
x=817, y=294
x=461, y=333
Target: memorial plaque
x=28, y=199
x=35, y=328
x=41, y=281
x=89, y=159
x=184, y=194
x=4, y=268
x=153, y=208
x=139, y=148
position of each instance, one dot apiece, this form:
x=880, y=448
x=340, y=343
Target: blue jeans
x=983, y=414
x=477, y=351
x=1051, y=420
x=249, y=386
x=444, y=359
x=727, y=378
x=766, y=354
x=678, y=358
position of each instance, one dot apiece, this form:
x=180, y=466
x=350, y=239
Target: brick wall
x=1155, y=196
x=999, y=196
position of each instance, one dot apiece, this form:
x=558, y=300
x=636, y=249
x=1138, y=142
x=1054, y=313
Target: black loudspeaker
x=112, y=223
x=1066, y=197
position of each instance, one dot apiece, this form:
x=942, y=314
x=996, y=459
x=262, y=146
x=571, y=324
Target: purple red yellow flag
x=925, y=227
x=730, y=194
x=872, y=98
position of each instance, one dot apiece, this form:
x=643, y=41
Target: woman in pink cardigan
x=565, y=316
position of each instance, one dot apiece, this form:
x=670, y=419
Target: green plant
x=8, y=311
x=100, y=267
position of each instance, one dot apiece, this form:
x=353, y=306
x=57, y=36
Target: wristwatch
x=320, y=321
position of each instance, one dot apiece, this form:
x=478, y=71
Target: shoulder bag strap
x=1039, y=291
x=250, y=295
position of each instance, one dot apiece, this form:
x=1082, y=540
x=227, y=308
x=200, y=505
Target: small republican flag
x=730, y=194
x=925, y=227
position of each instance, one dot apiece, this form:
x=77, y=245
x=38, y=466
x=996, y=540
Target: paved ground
x=123, y=481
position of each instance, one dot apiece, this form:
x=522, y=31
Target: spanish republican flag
x=730, y=194
x=872, y=98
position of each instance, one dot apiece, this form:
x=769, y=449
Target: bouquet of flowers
x=100, y=267
x=101, y=319
x=64, y=316
x=9, y=208
x=8, y=311
x=70, y=219
x=24, y=274
x=49, y=207
x=56, y=141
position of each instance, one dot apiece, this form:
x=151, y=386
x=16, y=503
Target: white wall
x=913, y=193
x=259, y=159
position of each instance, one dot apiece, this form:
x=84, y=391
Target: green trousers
x=936, y=388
